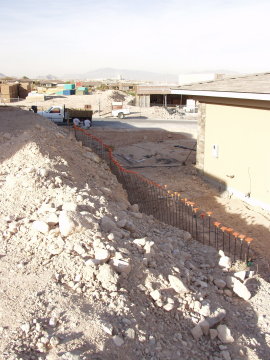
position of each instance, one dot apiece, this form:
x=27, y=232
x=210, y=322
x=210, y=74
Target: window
x=55, y=111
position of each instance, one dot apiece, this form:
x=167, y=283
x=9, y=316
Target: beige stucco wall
x=242, y=138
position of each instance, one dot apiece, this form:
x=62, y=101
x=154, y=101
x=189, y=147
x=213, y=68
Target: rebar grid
x=169, y=207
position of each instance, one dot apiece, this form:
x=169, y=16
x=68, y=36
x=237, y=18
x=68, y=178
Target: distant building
x=151, y=95
x=185, y=79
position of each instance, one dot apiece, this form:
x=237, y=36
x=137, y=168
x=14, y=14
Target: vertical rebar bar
x=229, y=231
x=202, y=217
x=209, y=213
x=241, y=237
x=248, y=241
x=223, y=228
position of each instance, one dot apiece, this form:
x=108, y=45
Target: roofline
x=223, y=94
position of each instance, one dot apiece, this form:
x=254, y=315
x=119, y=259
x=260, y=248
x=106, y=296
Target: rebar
x=168, y=206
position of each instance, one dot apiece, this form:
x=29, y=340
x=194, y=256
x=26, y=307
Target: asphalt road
x=187, y=126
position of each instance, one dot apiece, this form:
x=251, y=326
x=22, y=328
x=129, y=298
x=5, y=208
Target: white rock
x=51, y=219
x=118, y=340
x=121, y=266
x=197, y=306
x=240, y=275
x=26, y=328
x=130, y=333
x=224, y=334
x=205, y=309
x=140, y=242
x=197, y=332
x=43, y=172
x=241, y=290
x=224, y=261
x=111, y=237
x=177, y=284
x=102, y=255
x=68, y=222
x=79, y=249
x=168, y=307
x=108, y=328
x=148, y=248
x=44, y=339
x=92, y=262
x=41, y=347
x=155, y=295
x=41, y=226
x=53, y=321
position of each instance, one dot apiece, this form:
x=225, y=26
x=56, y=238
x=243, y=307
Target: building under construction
x=147, y=95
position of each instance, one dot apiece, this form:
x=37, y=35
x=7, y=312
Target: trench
x=168, y=207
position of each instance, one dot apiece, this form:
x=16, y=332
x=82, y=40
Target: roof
x=224, y=94
x=255, y=83
x=154, y=89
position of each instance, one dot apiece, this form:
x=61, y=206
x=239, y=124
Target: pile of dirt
x=85, y=275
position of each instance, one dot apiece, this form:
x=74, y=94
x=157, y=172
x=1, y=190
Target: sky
x=170, y=37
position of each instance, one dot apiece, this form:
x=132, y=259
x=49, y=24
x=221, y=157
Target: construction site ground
x=85, y=275
x=169, y=157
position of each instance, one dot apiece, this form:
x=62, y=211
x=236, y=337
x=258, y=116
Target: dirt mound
x=85, y=275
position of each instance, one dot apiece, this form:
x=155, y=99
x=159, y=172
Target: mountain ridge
x=123, y=74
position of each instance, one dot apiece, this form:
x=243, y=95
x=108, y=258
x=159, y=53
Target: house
x=233, y=149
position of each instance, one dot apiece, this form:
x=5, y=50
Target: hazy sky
x=172, y=36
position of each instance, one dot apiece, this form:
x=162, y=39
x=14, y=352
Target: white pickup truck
x=118, y=110
x=60, y=114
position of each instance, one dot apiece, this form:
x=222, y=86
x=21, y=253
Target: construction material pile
x=85, y=275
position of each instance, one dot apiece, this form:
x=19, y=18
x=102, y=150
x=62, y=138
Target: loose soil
x=85, y=275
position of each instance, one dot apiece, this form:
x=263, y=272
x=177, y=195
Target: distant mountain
x=2, y=75
x=123, y=74
x=47, y=77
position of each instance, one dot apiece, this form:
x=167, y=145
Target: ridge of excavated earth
x=85, y=275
